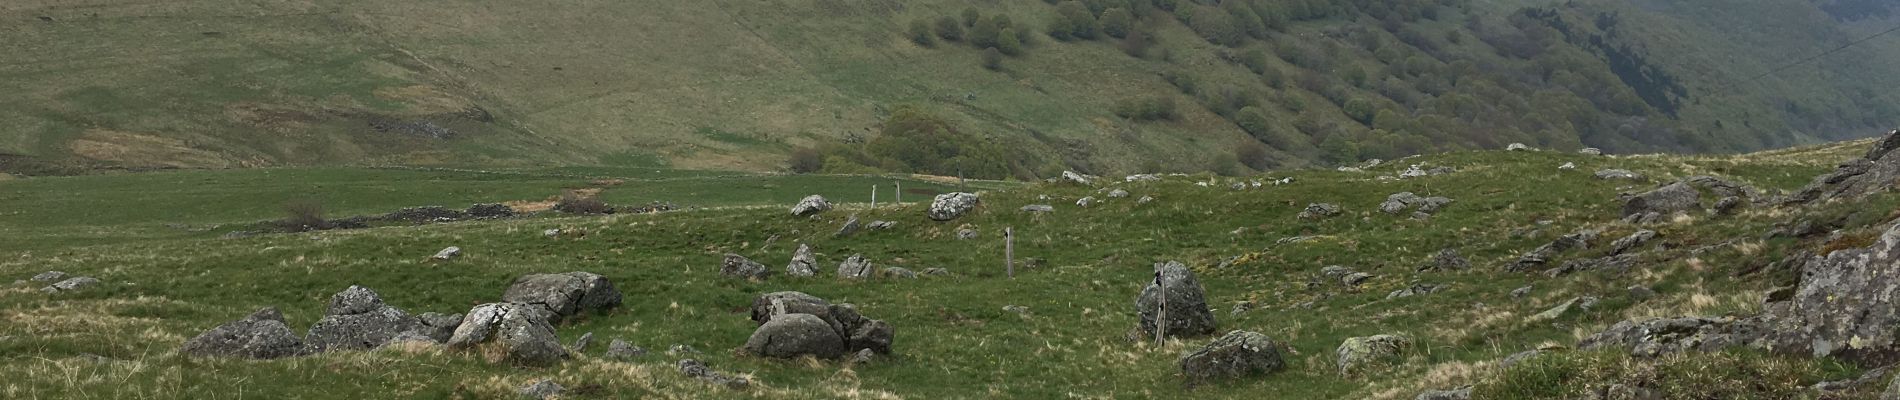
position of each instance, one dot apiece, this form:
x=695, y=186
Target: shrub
x=1117, y=22
x=985, y=33
x=573, y=202
x=1009, y=43
x=948, y=29
x=1216, y=26
x=993, y=59
x=1154, y=108
x=807, y=160
x=304, y=216
x=971, y=17
x=1136, y=44
x=920, y=34
x=1253, y=154
x=1359, y=110
x=1081, y=22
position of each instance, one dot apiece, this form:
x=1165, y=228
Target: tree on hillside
x=1359, y=110
x=1216, y=26
x=1080, y=21
x=948, y=29
x=1116, y=22
x=993, y=59
x=1008, y=43
x=971, y=17
x=986, y=32
x=920, y=33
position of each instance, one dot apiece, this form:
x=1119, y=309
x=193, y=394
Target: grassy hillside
x=741, y=85
x=1082, y=269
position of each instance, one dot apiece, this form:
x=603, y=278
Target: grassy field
x=954, y=339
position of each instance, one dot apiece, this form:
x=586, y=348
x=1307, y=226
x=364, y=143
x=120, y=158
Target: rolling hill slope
x=730, y=84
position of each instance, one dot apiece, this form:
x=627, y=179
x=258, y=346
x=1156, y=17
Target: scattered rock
x=1016, y=309
x=542, y=389
x=1567, y=166
x=490, y=211
x=1117, y=193
x=1631, y=242
x=1520, y=357
x=1187, y=313
x=1085, y=202
x=359, y=320
x=1647, y=218
x=564, y=295
x=1640, y=292
x=1590, y=151
x=580, y=345
x=737, y=266
x=1359, y=353
x=1618, y=174
x=447, y=254
x=1654, y=337
x=1542, y=254
x=71, y=284
x=1669, y=199
x=1417, y=289
x=1843, y=305
x=966, y=233
x=851, y=226
x=680, y=350
x=1560, y=310
x=1463, y=393
x=510, y=332
x=796, y=335
x=1518, y=147
x=1519, y=293
x=698, y=370
x=774, y=304
x=899, y=273
x=855, y=267
x=1145, y=200
x=1866, y=378
x=620, y=350
x=1399, y=202
x=1142, y=178
x=811, y=205
x=1039, y=208
x=551, y=233
x=49, y=276
x=437, y=327
x=1874, y=172
x=881, y=225
x=1728, y=206
x=1447, y=260
x=262, y=335
x=1319, y=210
x=1238, y=354
x=1074, y=177
x=803, y=262
x=1354, y=279
x=863, y=357
x=936, y=271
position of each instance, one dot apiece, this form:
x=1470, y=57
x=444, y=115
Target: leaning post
x=1009, y=252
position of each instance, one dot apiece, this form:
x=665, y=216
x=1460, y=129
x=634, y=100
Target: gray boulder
x=899, y=273
x=49, y=276
x=71, y=284
x=855, y=267
x=811, y=205
x=510, y=332
x=580, y=345
x=1399, y=202
x=1359, y=353
x=565, y=294
x=1039, y=208
x=1590, y=151
x=1618, y=174
x=1844, y=305
x=949, y=206
x=1077, y=178
x=1463, y=393
x=1581, y=302
x=1117, y=193
x=262, y=335
x=1655, y=337
x=446, y=254
x=737, y=266
x=796, y=335
x=881, y=225
x=358, y=320
x=1417, y=289
x=851, y=226
x=1447, y=260
x=698, y=370
x=542, y=389
x=1631, y=242
x=1238, y=354
x=1085, y=202
x=774, y=304
x=803, y=262
x=620, y=350
x=1669, y=199
x=1518, y=147
x=1728, y=206
x=438, y=327
x=1874, y=172
x=1187, y=312
x=1320, y=210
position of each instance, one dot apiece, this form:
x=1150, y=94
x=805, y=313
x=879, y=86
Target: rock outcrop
x=1359, y=353
x=811, y=205
x=789, y=324
x=950, y=206
x=1237, y=354
x=358, y=320
x=1187, y=312
x=564, y=295
x=262, y=335
x=1877, y=171
x=803, y=262
x=795, y=335
x=510, y=332
x=1669, y=199
x=856, y=267
x=737, y=266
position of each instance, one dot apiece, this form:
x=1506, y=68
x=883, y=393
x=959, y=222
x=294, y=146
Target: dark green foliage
x=1254, y=155
x=948, y=29
x=971, y=16
x=1117, y=22
x=993, y=59
x=1008, y=43
x=1073, y=20
x=1137, y=44
x=1359, y=110
x=1336, y=149
x=1153, y=108
x=304, y=215
x=1216, y=26
x=805, y=160
x=921, y=35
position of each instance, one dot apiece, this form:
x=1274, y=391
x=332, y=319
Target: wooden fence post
x=873, y=196
x=1009, y=252
x=899, y=192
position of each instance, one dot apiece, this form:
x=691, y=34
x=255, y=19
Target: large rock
x=1655, y=337
x=1623, y=174
x=737, y=266
x=1357, y=354
x=853, y=330
x=1237, y=354
x=796, y=335
x=1844, y=305
x=1077, y=178
x=1669, y=199
x=1877, y=171
x=856, y=267
x=851, y=226
x=262, y=335
x=949, y=206
x=803, y=262
x=1463, y=393
x=564, y=295
x=1631, y=242
x=1320, y=210
x=774, y=304
x=812, y=204
x=71, y=284
x=698, y=370
x=1447, y=260
x=1187, y=312
x=358, y=320
x=510, y=332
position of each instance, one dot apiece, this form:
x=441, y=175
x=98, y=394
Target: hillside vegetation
x=1059, y=328
x=1101, y=86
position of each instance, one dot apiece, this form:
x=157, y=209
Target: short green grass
x=954, y=340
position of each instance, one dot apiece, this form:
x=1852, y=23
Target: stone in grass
x=698, y=370
x=620, y=350
x=542, y=389
x=71, y=284
x=1235, y=355
x=262, y=335
x=1359, y=353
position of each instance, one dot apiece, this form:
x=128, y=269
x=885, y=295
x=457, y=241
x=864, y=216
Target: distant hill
x=1101, y=86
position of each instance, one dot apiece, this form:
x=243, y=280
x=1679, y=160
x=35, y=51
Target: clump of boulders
x=563, y=295
x=1320, y=210
x=515, y=333
x=1401, y=202
x=1361, y=353
x=795, y=324
x=68, y=284
x=1176, y=293
x=949, y=206
x=262, y=335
